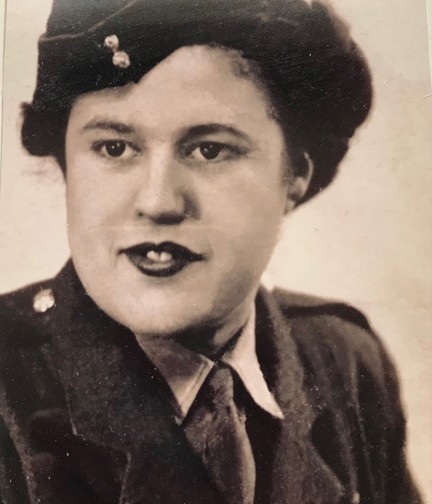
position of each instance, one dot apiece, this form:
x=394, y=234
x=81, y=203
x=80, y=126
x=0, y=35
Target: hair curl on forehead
x=300, y=53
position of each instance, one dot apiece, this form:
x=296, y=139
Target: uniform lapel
x=298, y=474
x=117, y=399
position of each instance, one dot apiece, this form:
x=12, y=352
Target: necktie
x=216, y=430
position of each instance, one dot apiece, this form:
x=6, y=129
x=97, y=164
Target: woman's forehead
x=199, y=83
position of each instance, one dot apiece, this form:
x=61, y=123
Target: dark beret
x=316, y=75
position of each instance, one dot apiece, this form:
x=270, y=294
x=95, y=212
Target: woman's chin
x=159, y=320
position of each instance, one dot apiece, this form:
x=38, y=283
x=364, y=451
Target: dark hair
x=316, y=76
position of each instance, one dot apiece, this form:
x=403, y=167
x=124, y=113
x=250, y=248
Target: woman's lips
x=162, y=259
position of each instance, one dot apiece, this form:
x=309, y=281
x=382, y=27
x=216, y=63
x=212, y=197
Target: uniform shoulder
x=21, y=312
x=327, y=326
x=296, y=304
x=25, y=299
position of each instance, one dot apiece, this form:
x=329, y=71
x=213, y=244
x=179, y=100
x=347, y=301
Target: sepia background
x=366, y=240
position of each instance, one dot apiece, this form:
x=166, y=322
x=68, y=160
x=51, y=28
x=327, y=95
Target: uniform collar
x=185, y=371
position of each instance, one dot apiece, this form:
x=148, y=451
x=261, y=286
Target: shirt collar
x=185, y=370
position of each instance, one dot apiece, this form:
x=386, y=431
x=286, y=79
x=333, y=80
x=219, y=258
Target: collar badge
x=43, y=301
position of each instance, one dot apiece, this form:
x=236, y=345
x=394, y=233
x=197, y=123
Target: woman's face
x=176, y=188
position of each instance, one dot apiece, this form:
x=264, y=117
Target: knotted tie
x=216, y=430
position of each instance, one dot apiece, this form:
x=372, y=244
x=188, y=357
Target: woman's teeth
x=160, y=257
x=161, y=260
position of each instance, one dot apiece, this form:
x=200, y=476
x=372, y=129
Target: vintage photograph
x=215, y=252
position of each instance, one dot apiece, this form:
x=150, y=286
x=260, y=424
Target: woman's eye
x=212, y=151
x=115, y=149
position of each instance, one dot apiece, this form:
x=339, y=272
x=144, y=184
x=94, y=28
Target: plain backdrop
x=366, y=240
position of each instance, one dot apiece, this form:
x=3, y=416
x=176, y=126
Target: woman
x=154, y=368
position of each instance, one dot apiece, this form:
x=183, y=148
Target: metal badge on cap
x=120, y=58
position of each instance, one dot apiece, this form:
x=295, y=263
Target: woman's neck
x=209, y=340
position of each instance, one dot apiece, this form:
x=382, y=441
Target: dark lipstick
x=161, y=260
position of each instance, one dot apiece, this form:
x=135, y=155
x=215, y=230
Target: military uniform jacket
x=84, y=415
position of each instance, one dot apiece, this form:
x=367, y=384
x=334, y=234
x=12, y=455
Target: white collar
x=185, y=370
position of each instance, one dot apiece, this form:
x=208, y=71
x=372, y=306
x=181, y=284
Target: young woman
x=154, y=368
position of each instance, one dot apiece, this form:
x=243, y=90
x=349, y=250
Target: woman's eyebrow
x=107, y=125
x=213, y=128
x=190, y=133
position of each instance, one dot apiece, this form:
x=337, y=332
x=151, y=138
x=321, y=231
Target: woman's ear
x=298, y=181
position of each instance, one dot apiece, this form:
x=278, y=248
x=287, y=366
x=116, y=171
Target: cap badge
x=43, y=301
x=120, y=58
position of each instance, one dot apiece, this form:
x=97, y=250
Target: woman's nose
x=165, y=193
